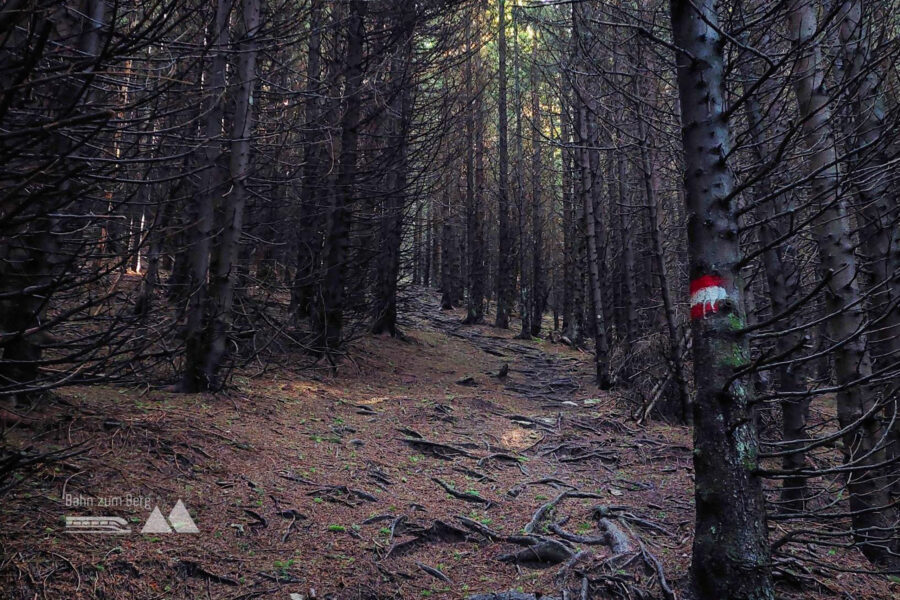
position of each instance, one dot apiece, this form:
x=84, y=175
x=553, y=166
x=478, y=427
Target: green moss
x=733, y=355
x=735, y=321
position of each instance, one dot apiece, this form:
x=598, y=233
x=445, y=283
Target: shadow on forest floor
x=415, y=472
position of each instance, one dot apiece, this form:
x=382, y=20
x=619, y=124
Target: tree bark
x=877, y=198
x=588, y=200
x=505, y=257
x=474, y=234
x=194, y=378
x=782, y=278
x=538, y=293
x=224, y=267
x=395, y=204
x=312, y=191
x=731, y=551
x=569, y=233
x=330, y=320
x=872, y=518
x=448, y=249
x=627, y=235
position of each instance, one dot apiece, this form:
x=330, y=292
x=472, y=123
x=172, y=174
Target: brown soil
x=305, y=484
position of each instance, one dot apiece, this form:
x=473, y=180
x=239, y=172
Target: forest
x=476, y=299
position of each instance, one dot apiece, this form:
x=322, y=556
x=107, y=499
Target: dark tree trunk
x=731, y=551
x=474, y=234
x=158, y=228
x=330, y=318
x=680, y=407
x=211, y=183
x=32, y=249
x=430, y=244
x=783, y=279
x=448, y=249
x=877, y=197
x=417, y=245
x=224, y=264
x=569, y=235
x=506, y=270
x=629, y=291
x=593, y=244
x=302, y=289
x=539, y=293
x=434, y=260
x=598, y=323
x=873, y=515
x=395, y=204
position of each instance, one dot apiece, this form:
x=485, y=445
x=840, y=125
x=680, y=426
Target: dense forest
x=351, y=267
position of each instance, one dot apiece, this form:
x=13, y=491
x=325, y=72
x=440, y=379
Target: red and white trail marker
x=706, y=293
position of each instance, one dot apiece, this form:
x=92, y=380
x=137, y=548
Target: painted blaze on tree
x=707, y=293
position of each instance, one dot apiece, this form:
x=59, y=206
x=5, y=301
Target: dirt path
x=548, y=377
x=415, y=472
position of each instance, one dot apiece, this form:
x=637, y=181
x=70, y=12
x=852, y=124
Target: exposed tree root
x=189, y=568
x=555, y=483
x=542, y=512
x=615, y=537
x=546, y=552
x=500, y=457
x=332, y=493
x=433, y=572
x=445, y=451
x=467, y=496
x=439, y=531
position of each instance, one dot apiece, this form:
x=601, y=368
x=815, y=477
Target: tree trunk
x=330, y=320
x=417, y=244
x=877, y=197
x=782, y=277
x=434, y=262
x=224, y=267
x=731, y=551
x=395, y=204
x=598, y=323
x=569, y=235
x=682, y=409
x=302, y=289
x=627, y=235
x=475, y=304
x=588, y=200
x=538, y=293
x=430, y=244
x=863, y=446
x=505, y=266
x=194, y=379
x=448, y=249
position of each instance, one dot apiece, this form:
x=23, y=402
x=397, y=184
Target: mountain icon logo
x=179, y=520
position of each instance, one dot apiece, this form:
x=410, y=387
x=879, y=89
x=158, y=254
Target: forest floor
x=408, y=474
